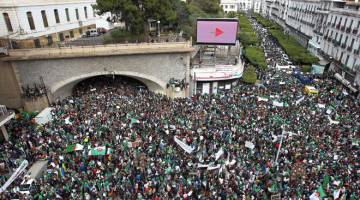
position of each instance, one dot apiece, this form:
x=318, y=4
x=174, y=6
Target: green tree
x=208, y=6
x=135, y=13
x=232, y=14
x=249, y=75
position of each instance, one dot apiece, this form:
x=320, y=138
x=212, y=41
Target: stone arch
x=63, y=88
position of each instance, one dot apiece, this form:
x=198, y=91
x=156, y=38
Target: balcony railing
x=338, y=26
x=343, y=45
x=355, y=31
x=342, y=28
x=349, y=48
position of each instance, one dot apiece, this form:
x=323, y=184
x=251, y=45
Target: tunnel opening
x=62, y=89
x=107, y=81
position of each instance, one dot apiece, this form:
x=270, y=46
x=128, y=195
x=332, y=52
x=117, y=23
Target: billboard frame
x=221, y=20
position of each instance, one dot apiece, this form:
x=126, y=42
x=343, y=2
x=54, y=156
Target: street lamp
x=158, y=23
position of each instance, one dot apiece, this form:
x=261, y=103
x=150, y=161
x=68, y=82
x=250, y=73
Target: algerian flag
x=98, y=151
x=74, y=147
x=326, y=181
x=320, y=190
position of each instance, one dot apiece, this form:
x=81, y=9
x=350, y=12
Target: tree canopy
x=136, y=13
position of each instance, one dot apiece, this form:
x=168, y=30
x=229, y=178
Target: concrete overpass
x=60, y=69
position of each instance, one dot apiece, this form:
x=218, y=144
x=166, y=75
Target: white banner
x=18, y=171
x=184, y=146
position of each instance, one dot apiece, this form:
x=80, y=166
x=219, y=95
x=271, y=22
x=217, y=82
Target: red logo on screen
x=218, y=32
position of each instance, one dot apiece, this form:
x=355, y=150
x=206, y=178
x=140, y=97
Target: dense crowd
x=156, y=167
x=231, y=143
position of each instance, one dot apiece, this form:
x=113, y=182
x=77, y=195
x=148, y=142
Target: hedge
x=246, y=35
x=297, y=53
x=249, y=75
x=255, y=56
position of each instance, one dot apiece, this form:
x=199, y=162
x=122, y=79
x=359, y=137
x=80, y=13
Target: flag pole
x=278, y=152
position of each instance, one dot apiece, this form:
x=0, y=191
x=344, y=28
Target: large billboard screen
x=217, y=31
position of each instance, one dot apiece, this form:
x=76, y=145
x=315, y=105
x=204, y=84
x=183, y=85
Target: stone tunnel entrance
x=65, y=88
x=115, y=81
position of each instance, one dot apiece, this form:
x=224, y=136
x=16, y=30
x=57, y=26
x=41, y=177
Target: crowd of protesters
x=231, y=143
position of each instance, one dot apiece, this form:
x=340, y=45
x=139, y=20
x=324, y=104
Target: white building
x=36, y=23
x=341, y=36
x=329, y=26
x=236, y=5
x=257, y=6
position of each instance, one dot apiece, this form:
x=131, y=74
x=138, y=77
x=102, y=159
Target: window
x=354, y=63
x=56, y=13
x=67, y=14
x=347, y=60
x=232, y=6
x=85, y=11
x=72, y=34
x=346, y=39
x=351, y=23
x=61, y=37
x=77, y=14
x=341, y=37
x=37, y=43
x=352, y=43
x=341, y=57
x=44, y=18
x=8, y=22
x=31, y=20
x=80, y=31
x=94, y=14
x=50, y=40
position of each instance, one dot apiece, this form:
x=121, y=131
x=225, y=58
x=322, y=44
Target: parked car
x=102, y=30
x=90, y=33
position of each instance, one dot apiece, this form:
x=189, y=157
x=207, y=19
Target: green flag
x=326, y=181
x=321, y=191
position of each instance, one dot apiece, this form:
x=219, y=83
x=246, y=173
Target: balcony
x=342, y=28
x=356, y=51
x=355, y=31
x=348, y=30
x=349, y=48
x=329, y=39
x=333, y=25
x=343, y=45
x=338, y=26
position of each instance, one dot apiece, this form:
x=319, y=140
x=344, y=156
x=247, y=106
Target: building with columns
x=39, y=23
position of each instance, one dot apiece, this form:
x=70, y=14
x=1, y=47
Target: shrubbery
x=256, y=57
x=306, y=68
x=120, y=36
x=297, y=53
x=246, y=35
x=249, y=75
